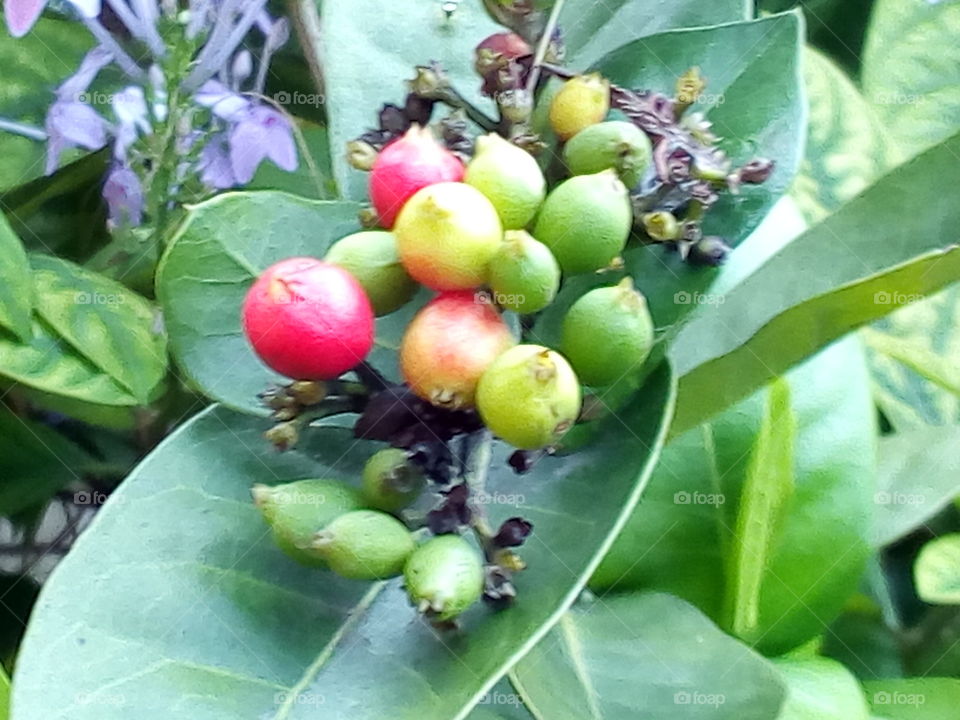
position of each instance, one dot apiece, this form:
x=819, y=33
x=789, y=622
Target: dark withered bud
x=307, y=392
x=498, y=588
x=513, y=533
x=710, y=250
x=516, y=105
x=393, y=120
x=430, y=82
x=284, y=435
x=453, y=513
x=418, y=109
x=497, y=50
x=757, y=171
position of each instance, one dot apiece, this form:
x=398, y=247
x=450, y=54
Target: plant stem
x=543, y=45
x=475, y=476
x=18, y=128
x=450, y=96
x=307, y=26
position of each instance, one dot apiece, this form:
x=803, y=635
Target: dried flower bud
x=710, y=250
x=513, y=533
x=661, y=226
x=689, y=87
x=361, y=155
x=757, y=171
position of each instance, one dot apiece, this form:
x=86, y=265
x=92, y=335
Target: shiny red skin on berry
x=449, y=345
x=308, y=319
x=407, y=165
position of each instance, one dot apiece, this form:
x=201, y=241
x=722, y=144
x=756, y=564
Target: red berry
x=449, y=345
x=407, y=165
x=308, y=319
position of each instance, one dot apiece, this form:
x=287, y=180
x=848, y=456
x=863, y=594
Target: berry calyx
x=586, y=221
x=496, y=51
x=407, y=165
x=616, y=145
x=308, y=319
x=509, y=177
x=582, y=101
x=608, y=333
x=447, y=233
x=529, y=396
x=444, y=577
x=524, y=274
x=373, y=259
x=296, y=511
x=365, y=545
x=449, y=345
x=390, y=481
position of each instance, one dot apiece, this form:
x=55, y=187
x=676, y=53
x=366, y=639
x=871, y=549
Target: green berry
x=613, y=145
x=524, y=274
x=444, y=576
x=608, y=333
x=297, y=510
x=509, y=177
x=390, y=481
x=586, y=221
x=529, y=396
x=583, y=101
x=365, y=545
x=372, y=258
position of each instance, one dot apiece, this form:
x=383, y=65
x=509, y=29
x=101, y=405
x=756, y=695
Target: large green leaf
x=16, y=287
x=918, y=476
x=591, y=29
x=861, y=263
x=820, y=689
x=33, y=66
x=363, y=71
x=938, y=571
x=679, y=538
x=911, y=70
x=192, y=609
x=208, y=267
x=645, y=657
x=914, y=698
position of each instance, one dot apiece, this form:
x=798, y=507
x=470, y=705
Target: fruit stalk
x=543, y=46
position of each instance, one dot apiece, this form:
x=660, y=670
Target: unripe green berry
x=373, y=259
x=586, y=221
x=365, y=545
x=390, y=481
x=608, y=333
x=524, y=274
x=296, y=511
x=509, y=177
x=529, y=396
x=613, y=145
x=444, y=576
x=583, y=101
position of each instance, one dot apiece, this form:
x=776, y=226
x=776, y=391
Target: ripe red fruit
x=407, y=165
x=449, y=345
x=308, y=320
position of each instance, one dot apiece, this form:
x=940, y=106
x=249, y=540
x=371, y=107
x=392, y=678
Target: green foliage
x=16, y=291
x=938, y=571
x=927, y=698
x=820, y=689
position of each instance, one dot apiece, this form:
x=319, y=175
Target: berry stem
x=544, y=45
x=475, y=474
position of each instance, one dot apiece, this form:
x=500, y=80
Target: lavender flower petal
x=87, y=8
x=124, y=195
x=261, y=133
x=222, y=101
x=21, y=15
x=215, y=169
x=76, y=85
x=72, y=124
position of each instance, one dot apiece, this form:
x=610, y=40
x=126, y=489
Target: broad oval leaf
x=16, y=285
x=861, y=263
x=645, y=657
x=192, y=608
x=680, y=537
x=820, y=689
x=937, y=571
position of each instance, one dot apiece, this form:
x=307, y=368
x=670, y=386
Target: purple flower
x=22, y=14
x=261, y=132
x=222, y=101
x=124, y=195
x=215, y=169
x=72, y=124
x=130, y=107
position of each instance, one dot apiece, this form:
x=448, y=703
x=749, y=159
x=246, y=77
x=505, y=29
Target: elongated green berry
x=444, y=576
x=390, y=481
x=583, y=101
x=607, y=334
x=586, y=221
x=529, y=396
x=524, y=274
x=297, y=510
x=613, y=145
x=373, y=259
x=365, y=545
x=509, y=177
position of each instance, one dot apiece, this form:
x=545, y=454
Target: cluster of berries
x=487, y=237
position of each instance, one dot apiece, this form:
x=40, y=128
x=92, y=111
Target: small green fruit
x=390, y=481
x=373, y=259
x=583, y=101
x=529, y=396
x=297, y=510
x=613, y=145
x=444, y=576
x=447, y=233
x=607, y=333
x=365, y=545
x=509, y=177
x=586, y=221
x=524, y=274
